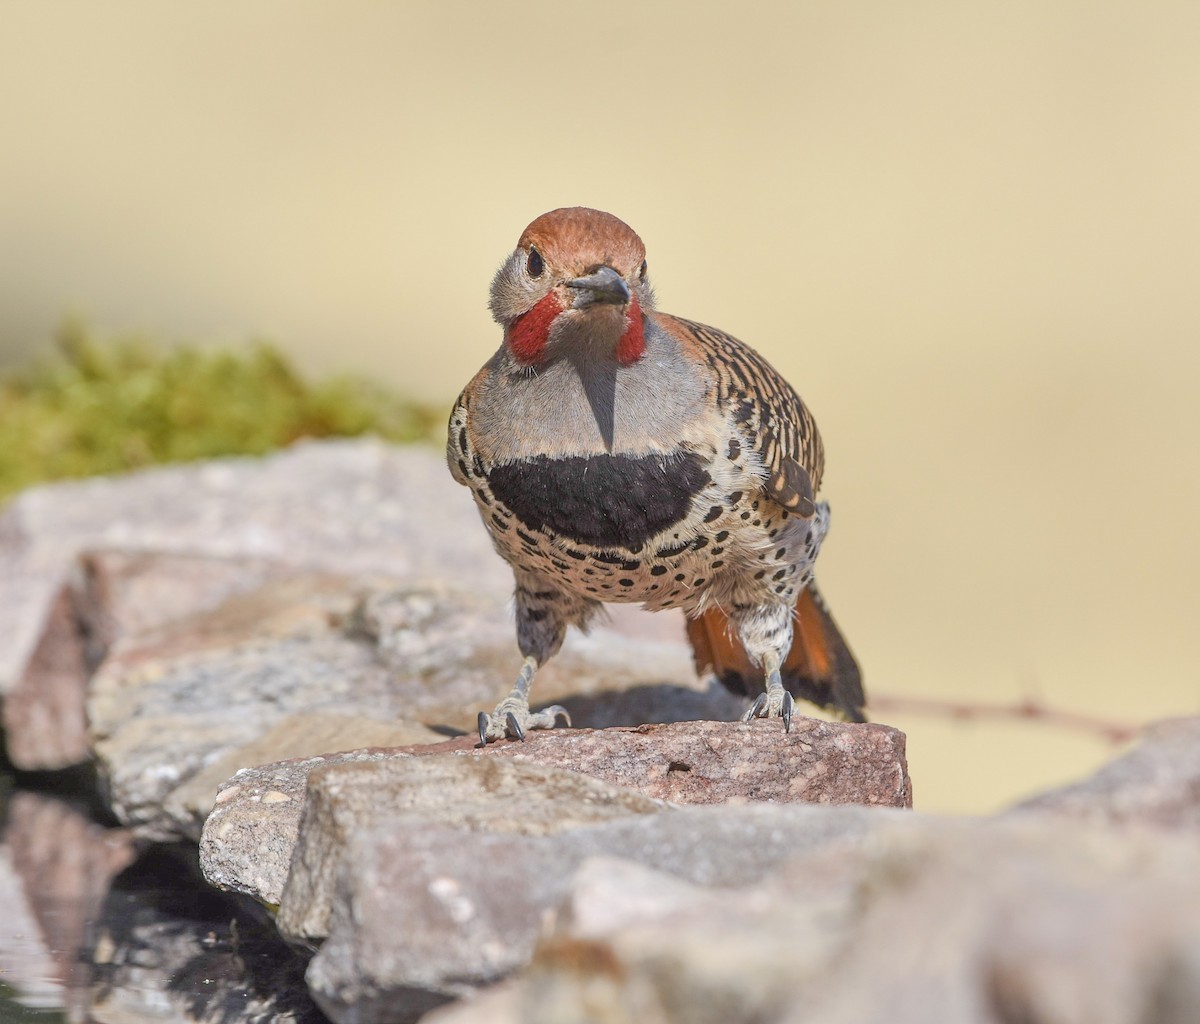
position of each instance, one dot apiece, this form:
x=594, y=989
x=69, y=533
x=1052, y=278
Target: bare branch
x=1027, y=710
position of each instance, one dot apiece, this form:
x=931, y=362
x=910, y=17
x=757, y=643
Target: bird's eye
x=642, y=272
x=535, y=265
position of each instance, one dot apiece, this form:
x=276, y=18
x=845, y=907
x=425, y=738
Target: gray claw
x=789, y=706
x=554, y=711
x=483, y=724
x=756, y=708
x=514, y=727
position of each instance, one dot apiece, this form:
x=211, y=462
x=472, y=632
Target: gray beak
x=604, y=285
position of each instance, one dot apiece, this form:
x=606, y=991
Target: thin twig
x=1025, y=710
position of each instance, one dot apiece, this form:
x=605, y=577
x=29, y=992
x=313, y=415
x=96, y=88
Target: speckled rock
x=248, y=838
x=300, y=736
x=694, y=762
x=107, y=595
x=730, y=762
x=427, y=793
x=168, y=704
x=408, y=519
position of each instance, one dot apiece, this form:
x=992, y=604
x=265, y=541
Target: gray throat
x=583, y=402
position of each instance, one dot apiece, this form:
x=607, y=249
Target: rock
x=248, y=837
x=165, y=705
x=109, y=595
x=45, y=725
x=175, y=540
x=469, y=795
x=979, y=922
x=720, y=762
x=297, y=736
x=1157, y=783
x=475, y=904
x=171, y=707
x=346, y=506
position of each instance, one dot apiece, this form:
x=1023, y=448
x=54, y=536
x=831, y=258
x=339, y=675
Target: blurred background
x=968, y=233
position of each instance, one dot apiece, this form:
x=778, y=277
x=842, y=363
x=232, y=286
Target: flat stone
x=108, y=595
x=447, y=792
x=298, y=736
x=247, y=839
x=475, y=905
x=1156, y=783
x=408, y=518
x=728, y=762
x=170, y=708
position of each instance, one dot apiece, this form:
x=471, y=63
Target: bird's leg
x=543, y=614
x=512, y=715
x=776, y=701
x=766, y=634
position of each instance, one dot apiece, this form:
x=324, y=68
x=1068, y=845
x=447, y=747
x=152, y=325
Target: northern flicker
x=620, y=454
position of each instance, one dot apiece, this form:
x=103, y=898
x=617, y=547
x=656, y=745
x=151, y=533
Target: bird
x=620, y=454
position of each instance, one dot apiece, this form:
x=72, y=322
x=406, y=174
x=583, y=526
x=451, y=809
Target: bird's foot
x=774, y=703
x=512, y=719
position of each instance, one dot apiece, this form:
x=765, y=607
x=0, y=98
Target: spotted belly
x=666, y=530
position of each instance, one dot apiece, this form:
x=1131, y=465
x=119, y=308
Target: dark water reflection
x=95, y=927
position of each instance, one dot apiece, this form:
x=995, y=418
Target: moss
x=108, y=405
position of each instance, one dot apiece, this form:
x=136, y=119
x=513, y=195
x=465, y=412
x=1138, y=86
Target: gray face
x=514, y=291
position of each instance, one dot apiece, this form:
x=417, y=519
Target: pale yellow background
x=969, y=233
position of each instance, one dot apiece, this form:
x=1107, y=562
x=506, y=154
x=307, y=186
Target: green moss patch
x=108, y=405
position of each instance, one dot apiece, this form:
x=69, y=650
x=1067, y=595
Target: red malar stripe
x=632, y=345
x=527, y=334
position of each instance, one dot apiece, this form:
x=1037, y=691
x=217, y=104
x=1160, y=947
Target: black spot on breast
x=714, y=513
x=658, y=570
x=735, y=448
x=601, y=500
x=462, y=440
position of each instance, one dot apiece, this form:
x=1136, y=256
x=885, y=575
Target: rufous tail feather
x=819, y=668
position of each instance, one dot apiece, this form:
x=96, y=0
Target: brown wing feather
x=819, y=668
x=783, y=430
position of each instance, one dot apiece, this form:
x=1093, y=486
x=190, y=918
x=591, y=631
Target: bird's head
x=576, y=279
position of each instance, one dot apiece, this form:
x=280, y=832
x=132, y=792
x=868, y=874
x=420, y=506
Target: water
x=95, y=927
